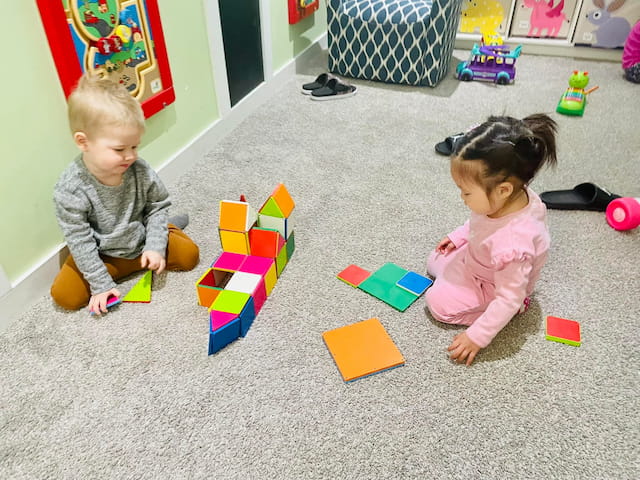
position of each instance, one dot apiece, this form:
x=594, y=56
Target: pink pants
x=456, y=296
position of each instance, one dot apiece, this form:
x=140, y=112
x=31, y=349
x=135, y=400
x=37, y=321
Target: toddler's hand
x=462, y=348
x=445, y=246
x=153, y=261
x=98, y=303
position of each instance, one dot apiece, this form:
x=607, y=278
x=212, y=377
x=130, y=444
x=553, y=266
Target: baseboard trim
x=35, y=284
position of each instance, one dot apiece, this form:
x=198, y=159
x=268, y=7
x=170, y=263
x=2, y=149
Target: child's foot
x=525, y=305
x=180, y=221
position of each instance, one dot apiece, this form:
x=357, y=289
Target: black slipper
x=319, y=82
x=586, y=196
x=448, y=145
x=334, y=89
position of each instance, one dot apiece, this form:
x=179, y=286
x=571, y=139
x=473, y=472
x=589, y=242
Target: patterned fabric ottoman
x=395, y=41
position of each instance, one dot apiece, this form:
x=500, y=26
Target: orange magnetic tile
x=236, y=216
x=283, y=199
x=362, y=349
x=206, y=295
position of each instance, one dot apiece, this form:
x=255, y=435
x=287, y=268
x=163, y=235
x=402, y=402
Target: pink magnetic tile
x=259, y=265
x=220, y=319
x=229, y=261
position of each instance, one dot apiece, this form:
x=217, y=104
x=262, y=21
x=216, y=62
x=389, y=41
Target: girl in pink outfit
x=486, y=269
x=631, y=55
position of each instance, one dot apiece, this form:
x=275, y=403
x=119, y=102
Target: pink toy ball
x=624, y=213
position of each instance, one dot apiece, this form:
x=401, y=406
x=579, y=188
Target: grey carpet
x=134, y=394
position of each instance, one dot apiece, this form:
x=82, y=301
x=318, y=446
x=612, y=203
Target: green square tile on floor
x=382, y=284
x=390, y=272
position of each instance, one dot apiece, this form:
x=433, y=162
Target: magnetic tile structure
x=390, y=283
x=256, y=247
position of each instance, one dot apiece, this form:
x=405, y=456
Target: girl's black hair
x=509, y=147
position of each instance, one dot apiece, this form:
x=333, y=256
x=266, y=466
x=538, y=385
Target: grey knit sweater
x=121, y=221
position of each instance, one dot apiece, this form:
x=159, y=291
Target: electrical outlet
x=5, y=285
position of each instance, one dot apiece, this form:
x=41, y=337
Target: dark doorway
x=240, y=21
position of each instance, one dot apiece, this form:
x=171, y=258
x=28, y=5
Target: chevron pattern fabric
x=394, y=41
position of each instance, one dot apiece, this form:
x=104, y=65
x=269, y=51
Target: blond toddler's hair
x=98, y=102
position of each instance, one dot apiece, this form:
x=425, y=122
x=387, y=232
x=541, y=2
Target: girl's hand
x=98, y=303
x=462, y=348
x=153, y=261
x=445, y=246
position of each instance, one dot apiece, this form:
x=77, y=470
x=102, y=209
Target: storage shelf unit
x=563, y=45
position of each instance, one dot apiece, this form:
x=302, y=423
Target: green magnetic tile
x=389, y=293
x=390, y=273
x=563, y=340
x=230, y=301
x=290, y=245
x=271, y=209
x=281, y=261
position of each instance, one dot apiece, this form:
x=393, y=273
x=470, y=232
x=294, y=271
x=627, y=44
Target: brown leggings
x=71, y=291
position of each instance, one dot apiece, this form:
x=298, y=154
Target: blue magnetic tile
x=415, y=283
x=223, y=336
x=247, y=316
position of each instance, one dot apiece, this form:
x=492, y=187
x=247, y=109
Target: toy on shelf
x=491, y=62
x=563, y=330
x=362, y=349
x=610, y=30
x=390, y=283
x=483, y=16
x=257, y=245
x=624, y=213
x=574, y=99
x=543, y=17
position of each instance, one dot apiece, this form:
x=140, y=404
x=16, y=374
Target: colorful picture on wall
x=121, y=39
x=299, y=9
